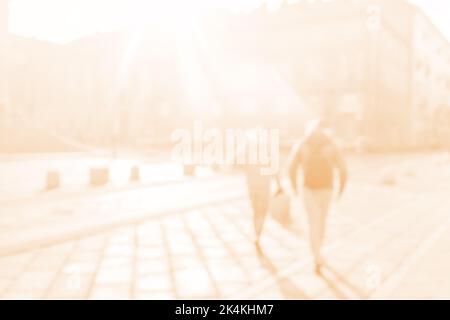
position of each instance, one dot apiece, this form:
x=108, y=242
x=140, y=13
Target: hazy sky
x=65, y=20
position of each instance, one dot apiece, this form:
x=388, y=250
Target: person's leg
x=324, y=198
x=313, y=211
x=260, y=214
x=260, y=198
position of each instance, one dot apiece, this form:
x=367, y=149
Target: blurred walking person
x=318, y=157
x=259, y=185
x=259, y=188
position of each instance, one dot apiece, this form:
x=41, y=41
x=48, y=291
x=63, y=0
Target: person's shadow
x=338, y=284
x=288, y=289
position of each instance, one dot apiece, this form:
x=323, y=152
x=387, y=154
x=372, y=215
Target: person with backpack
x=318, y=157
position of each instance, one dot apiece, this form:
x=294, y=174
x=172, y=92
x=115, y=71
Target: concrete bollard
x=189, y=170
x=135, y=174
x=99, y=176
x=53, y=180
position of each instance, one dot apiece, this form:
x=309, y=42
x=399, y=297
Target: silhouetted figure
x=259, y=186
x=318, y=156
x=259, y=189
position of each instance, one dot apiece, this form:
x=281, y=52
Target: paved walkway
x=388, y=237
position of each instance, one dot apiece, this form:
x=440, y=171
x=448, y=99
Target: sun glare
x=65, y=20
x=164, y=14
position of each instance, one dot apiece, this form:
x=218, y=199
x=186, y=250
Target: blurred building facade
x=3, y=62
x=379, y=70
x=430, y=84
x=84, y=94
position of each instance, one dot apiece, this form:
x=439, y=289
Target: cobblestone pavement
x=30, y=224
x=387, y=238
